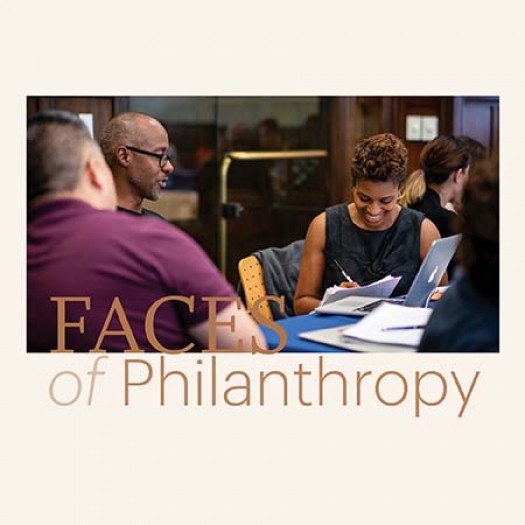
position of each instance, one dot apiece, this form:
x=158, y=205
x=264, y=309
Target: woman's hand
x=348, y=284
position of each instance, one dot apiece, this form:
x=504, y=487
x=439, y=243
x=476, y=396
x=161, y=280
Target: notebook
x=389, y=328
x=427, y=278
x=335, y=337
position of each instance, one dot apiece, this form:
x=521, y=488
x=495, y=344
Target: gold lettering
x=300, y=372
x=262, y=381
x=359, y=378
x=116, y=307
x=213, y=323
x=405, y=388
x=61, y=320
x=460, y=390
x=323, y=376
x=164, y=376
x=149, y=323
x=418, y=397
x=246, y=387
x=127, y=383
x=261, y=319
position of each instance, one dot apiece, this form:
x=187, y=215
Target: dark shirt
x=463, y=320
x=368, y=256
x=430, y=206
x=74, y=250
x=144, y=212
x=446, y=221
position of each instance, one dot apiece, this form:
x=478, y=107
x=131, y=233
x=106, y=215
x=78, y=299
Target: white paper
x=381, y=289
x=387, y=316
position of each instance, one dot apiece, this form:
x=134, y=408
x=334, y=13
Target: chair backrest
x=272, y=271
x=252, y=279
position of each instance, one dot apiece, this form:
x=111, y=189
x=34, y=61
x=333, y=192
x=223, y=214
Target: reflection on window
x=202, y=129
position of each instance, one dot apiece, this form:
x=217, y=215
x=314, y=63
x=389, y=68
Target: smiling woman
x=372, y=236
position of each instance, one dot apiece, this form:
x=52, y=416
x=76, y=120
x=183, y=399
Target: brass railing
x=223, y=186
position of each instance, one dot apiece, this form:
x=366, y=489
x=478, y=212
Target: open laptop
x=430, y=273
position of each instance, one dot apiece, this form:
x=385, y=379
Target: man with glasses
x=135, y=146
x=97, y=279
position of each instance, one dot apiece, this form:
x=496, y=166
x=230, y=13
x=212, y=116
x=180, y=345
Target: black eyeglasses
x=163, y=157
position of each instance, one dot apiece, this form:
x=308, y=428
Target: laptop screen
x=432, y=270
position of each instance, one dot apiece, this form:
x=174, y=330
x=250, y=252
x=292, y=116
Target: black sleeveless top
x=371, y=255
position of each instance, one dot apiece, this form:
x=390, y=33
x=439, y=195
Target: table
x=302, y=323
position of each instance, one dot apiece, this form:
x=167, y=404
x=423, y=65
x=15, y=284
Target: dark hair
x=442, y=156
x=478, y=152
x=270, y=123
x=479, y=249
x=380, y=158
x=55, y=152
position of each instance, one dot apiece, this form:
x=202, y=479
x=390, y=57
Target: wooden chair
x=252, y=279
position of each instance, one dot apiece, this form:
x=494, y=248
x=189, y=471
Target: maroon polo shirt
x=76, y=251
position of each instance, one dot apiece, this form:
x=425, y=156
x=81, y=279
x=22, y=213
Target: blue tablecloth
x=302, y=323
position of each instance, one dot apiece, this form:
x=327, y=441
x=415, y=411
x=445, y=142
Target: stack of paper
x=391, y=324
x=381, y=289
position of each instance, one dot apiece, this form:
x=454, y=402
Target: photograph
x=265, y=210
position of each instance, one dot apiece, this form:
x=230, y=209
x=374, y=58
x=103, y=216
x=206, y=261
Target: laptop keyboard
x=372, y=306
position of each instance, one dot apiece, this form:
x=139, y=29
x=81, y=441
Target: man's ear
x=94, y=173
x=98, y=184
x=98, y=172
x=122, y=156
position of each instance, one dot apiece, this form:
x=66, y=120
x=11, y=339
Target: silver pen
x=411, y=327
x=345, y=275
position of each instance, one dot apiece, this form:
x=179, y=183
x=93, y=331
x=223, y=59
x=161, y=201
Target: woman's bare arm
x=308, y=293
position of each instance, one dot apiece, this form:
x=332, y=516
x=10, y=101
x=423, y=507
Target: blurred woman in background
x=433, y=189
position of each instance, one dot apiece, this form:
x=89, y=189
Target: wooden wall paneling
x=102, y=108
x=342, y=139
x=442, y=107
x=120, y=104
x=31, y=106
x=478, y=117
x=387, y=109
x=494, y=138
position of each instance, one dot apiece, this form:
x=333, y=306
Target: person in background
x=445, y=163
x=369, y=238
x=270, y=135
x=466, y=318
x=478, y=153
x=135, y=146
x=270, y=138
x=116, y=281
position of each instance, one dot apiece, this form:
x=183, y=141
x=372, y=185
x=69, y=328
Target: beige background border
x=109, y=464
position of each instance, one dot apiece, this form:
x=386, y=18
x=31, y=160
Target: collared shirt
x=74, y=250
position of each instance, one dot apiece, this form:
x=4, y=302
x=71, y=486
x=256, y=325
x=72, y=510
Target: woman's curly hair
x=380, y=158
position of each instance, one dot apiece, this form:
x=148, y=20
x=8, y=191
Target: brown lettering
x=61, y=320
